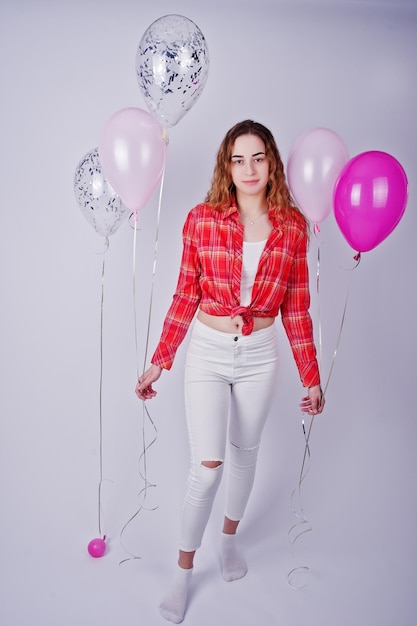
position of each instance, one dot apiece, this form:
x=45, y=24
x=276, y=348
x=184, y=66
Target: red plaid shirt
x=210, y=277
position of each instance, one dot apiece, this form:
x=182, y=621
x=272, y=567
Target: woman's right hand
x=144, y=390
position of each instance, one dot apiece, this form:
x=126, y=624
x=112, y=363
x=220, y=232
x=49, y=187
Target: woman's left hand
x=144, y=389
x=314, y=402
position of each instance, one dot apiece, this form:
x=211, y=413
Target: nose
x=249, y=168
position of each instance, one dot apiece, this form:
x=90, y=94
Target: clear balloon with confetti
x=96, y=198
x=172, y=63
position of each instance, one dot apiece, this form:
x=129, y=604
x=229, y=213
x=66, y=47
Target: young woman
x=244, y=261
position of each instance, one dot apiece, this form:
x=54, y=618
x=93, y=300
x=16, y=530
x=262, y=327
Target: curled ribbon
x=302, y=524
x=147, y=420
x=100, y=511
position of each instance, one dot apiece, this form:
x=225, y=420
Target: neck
x=251, y=206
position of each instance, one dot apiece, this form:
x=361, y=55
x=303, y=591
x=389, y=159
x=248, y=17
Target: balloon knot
x=357, y=257
x=165, y=136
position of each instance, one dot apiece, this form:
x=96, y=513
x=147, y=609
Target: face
x=249, y=166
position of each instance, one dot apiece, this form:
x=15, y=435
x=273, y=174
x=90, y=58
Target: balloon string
x=302, y=525
x=146, y=416
x=135, y=324
x=357, y=258
x=143, y=473
x=319, y=309
x=155, y=258
x=100, y=508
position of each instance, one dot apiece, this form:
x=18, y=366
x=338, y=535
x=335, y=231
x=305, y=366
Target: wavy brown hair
x=222, y=188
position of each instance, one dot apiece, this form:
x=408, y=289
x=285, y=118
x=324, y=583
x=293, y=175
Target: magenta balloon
x=133, y=154
x=314, y=163
x=370, y=197
x=96, y=547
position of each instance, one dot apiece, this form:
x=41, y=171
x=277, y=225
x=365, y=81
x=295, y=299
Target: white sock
x=233, y=563
x=173, y=605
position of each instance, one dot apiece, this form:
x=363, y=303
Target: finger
x=147, y=393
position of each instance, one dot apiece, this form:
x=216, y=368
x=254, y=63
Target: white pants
x=229, y=386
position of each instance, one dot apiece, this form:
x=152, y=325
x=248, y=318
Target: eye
x=237, y=161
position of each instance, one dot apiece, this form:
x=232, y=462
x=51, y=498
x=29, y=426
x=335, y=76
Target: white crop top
x=252, y=251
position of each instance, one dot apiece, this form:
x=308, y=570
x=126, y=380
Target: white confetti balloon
x=172, y=64
x=98, y=201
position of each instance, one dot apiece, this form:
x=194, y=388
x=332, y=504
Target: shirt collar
x=232, y=210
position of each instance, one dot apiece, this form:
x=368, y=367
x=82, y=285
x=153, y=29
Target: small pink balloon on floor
x=97, y=547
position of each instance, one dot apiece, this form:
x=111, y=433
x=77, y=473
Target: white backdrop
x=65, y=68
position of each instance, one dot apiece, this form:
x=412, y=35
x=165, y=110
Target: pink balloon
x=132, y=153
x=314, y=163
x=370, y=197
x=97, y=547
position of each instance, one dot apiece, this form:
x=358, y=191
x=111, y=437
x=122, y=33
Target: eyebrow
x=240, y=156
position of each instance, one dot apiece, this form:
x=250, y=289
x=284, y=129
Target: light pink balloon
x=314, y=164
x=132, y=154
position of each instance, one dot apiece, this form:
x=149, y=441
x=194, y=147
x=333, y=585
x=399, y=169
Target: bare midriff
x=228, y=325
